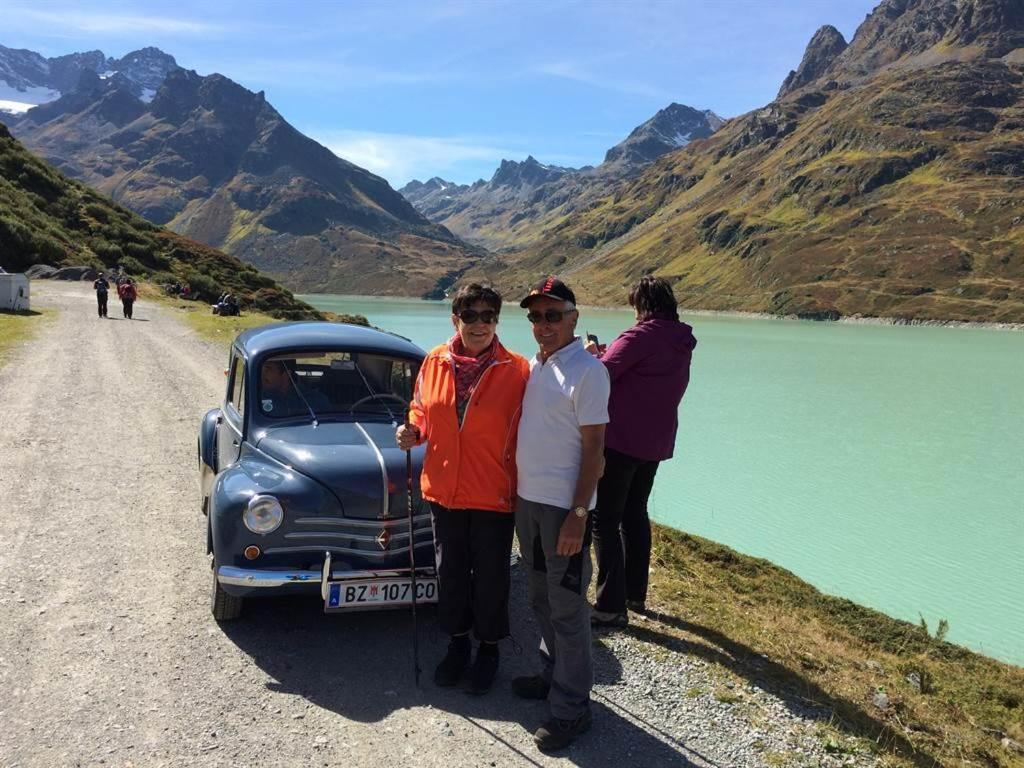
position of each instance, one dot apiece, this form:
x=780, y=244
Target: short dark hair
x=653, y=295
x=468, y=295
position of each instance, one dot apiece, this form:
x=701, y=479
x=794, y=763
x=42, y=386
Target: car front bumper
x=255, y=581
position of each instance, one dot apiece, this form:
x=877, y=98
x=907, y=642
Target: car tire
x=224, y=607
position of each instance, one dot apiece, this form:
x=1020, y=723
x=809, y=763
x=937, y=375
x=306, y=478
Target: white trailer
x=13, y=293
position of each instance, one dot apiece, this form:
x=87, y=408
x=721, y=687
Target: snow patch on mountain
x=19, y=100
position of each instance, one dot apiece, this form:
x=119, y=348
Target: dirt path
x=108, y=652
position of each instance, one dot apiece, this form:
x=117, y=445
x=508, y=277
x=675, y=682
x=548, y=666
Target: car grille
x=376, y=540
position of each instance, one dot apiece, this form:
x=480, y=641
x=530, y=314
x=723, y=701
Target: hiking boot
x=608, y=618
x=558, y=734
x=454, y=663
x=531, y=687
x=636, y=606
x=481, y=674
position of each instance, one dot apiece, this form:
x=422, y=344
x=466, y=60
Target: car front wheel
x=224, y=607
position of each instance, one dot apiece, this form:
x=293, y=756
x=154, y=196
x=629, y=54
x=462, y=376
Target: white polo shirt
x=568, y=391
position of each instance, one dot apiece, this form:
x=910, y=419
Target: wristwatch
x=580, y=512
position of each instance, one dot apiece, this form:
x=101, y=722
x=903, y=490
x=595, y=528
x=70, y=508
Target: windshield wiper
x=295, y=386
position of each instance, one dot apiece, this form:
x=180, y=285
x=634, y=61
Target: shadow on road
x=360, y=665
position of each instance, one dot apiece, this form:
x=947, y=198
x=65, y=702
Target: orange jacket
x=472, y=467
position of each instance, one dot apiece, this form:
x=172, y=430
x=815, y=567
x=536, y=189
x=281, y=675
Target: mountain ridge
x=890, y=185
x=216, y=162
x=504, y=212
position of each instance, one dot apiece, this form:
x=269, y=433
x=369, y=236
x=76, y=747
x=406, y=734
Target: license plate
x=378, y=593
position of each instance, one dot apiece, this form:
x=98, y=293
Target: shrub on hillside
x=203, y=286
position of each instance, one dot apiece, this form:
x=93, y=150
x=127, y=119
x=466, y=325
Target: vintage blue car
x=302, y=483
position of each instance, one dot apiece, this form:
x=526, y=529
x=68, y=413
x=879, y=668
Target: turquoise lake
x=884, y=464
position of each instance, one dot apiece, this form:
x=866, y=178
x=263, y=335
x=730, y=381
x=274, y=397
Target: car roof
x=278, y=337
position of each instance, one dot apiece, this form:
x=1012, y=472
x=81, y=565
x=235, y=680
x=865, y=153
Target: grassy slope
x=223, y=330
x=761, y=622
x=46, y=218
x=17, y=327
x=900, y=198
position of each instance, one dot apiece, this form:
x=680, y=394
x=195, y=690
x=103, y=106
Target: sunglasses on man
x=470, y=316
x=548, y=315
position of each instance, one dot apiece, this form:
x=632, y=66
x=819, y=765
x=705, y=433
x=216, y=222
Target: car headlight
x=263, y=514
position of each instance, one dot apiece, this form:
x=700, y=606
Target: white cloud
x=401, y=157
x=117, y=23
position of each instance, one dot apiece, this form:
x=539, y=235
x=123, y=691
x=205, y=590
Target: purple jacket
x=649, y=365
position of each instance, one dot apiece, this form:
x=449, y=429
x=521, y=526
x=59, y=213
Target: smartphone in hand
x=592, y=337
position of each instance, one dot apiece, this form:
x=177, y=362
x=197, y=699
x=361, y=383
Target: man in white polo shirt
x=560, y=459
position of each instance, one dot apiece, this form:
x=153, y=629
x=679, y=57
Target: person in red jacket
x=649, y=366
x=128, y=293
x=466, y=408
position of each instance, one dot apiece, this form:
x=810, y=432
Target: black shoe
x=485, y=666
x=636, y=606
x=532, y=687
x=454, y=663
x=558, y=734
x=608, y=619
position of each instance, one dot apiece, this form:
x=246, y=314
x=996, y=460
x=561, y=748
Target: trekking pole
x=412, y=557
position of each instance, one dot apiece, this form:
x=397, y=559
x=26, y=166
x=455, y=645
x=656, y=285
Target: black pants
x=126, y=306
x=473, y=549
x=101, y=303
x=622, y=530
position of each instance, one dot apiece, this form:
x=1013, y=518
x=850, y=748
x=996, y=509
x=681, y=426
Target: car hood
x=347, y=457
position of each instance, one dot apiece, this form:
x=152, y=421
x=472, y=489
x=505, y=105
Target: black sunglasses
x=549, y=315
x=469, y=316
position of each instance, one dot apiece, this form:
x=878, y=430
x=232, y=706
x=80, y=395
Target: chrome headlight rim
x=263, y=514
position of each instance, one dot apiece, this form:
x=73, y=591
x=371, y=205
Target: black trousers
x=622, y=530
x=101, y=303
x=126, y=307
x=473, y=549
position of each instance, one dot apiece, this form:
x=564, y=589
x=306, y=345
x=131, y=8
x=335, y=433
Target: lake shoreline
x=736, y=314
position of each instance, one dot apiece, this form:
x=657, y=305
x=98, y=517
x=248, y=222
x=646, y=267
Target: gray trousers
x=558, y=595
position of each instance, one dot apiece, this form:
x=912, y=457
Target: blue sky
x=418, y=89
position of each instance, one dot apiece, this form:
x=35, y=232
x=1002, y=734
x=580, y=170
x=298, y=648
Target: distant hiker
x=467, y=405
x=101, y=286
x=559, y=456
x=649, y=366
x=128, y=293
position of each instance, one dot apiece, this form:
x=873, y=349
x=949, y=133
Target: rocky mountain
x=46, y=218
x=888, y=180
x=673, y=127
x=28, y=79
x=521, y=198
x=826, y=45
x=215, y=162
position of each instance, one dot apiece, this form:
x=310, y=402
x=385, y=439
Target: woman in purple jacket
x=649, y=365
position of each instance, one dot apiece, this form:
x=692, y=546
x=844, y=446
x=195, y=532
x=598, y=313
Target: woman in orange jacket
x=466, y=408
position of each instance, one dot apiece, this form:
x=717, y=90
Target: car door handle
x=234, y=443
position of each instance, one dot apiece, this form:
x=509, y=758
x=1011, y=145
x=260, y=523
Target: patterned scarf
x=468, y=369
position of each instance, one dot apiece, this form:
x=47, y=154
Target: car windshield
x=319, y=384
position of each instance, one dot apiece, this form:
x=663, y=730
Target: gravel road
x=109, y=655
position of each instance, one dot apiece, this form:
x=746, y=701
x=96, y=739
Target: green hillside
x=899, y=199
x=45, y=218
x=891, y=185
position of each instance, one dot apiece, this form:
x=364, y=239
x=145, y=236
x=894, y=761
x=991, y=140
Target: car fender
x=255, y=474
x=207, y=453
